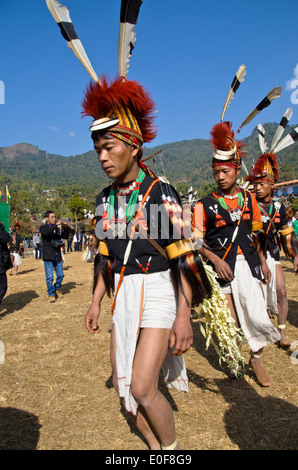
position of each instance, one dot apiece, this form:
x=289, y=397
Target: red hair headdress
x=122, y=106
x=227, y=151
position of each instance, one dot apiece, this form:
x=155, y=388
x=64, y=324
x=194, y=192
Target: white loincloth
x=270, y=289
x=144, y=301
x=16, y=259
x=251, y=307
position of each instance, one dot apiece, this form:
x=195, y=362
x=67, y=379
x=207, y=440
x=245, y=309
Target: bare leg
x=140, y=420
x=282, y=304
x=150, y=354
x=255, y=363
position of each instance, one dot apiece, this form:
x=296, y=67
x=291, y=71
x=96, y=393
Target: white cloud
x=71, y=134
x=289, y=83
x=53, y=128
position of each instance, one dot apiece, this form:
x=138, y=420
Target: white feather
x=127, y=34
x=280, y=130
x=261, y=134
x=240, y=75
x=285, y=142
x=61, y=14
x=272, y=95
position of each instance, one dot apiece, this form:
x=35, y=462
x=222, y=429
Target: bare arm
x=181, y=337
x=91, y=317
x=221, y=267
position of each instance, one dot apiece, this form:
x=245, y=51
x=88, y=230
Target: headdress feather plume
x=127, y=37
x=281, y=127
x=272, y=95
x=288, y=140
x=237, y=80
x=261, y=135
x=61, y=15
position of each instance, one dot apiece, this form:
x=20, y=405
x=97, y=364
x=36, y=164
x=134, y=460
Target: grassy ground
x=55, y=384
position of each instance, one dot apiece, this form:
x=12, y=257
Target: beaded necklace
x=265, y=205
x=134, y=188
x=266, y=217
x=235, y=214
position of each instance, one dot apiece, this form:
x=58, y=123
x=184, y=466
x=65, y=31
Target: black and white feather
x=272, y=95
x=288, y=140
x=281, y=127
x=237, y=80
x=262, y=142
x=61, y=15
x=127, y=36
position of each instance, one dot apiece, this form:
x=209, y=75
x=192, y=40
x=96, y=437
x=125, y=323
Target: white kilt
x=270, y=289
x=144, y=301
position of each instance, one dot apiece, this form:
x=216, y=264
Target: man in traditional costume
x=279, y=233
x=155, y=273
x=230, y=222
x=151, y=311
x=145, y=254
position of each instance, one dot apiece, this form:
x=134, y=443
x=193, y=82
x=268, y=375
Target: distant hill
x=187, y=161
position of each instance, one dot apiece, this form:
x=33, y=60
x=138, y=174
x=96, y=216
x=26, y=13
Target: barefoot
x=283, y=342
x=262, y=377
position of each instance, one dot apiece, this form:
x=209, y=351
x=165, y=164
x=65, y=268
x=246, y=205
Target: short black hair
x=48, y=213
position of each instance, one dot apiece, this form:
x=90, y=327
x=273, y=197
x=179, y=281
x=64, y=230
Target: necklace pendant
x=235, y=215
x=113, y=227
x=121, y=226
x=265, y=218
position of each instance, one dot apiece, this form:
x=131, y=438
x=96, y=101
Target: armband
x=179, y=248
x=256, y=226
x=286, y=231
x=289, y=242
x=103, y=248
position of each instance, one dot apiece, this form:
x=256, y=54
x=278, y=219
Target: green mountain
x=36, y=177
x=186, y=161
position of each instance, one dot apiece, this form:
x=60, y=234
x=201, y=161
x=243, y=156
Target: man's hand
x=91, y=319
x=266, y=273
x=223, y=270
x=181, y=337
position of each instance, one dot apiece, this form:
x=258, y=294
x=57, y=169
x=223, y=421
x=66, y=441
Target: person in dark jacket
x=52, y=256
x=5, y=261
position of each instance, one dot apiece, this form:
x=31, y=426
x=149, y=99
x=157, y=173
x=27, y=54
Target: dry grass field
x=55, y=383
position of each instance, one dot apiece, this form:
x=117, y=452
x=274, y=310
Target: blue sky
x=186, y=55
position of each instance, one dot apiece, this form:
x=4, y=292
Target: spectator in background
x=37, y=245
x=52, y=255
x=80, y=240
x=75, y=241
x=5, y=261
x=15, y=246
x=295, y=222
x=69, y=240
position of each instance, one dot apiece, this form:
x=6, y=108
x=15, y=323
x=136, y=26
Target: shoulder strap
x=267, y=215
